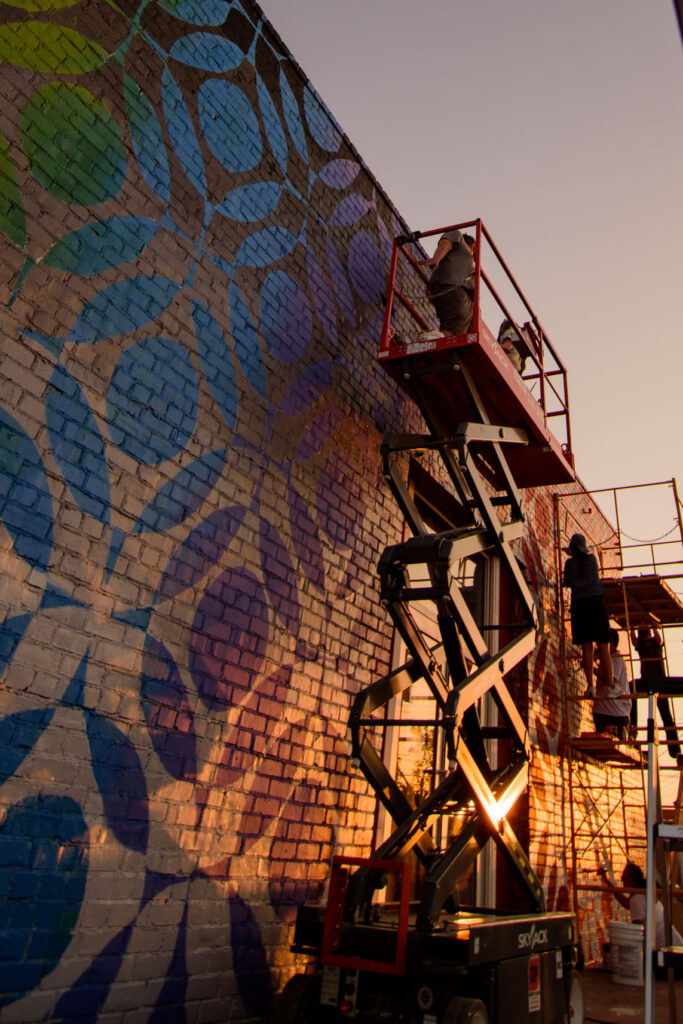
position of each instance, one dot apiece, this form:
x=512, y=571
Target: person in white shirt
x=612, y=706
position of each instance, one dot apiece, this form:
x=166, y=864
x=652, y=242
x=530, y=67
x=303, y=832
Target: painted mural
x=194, y=262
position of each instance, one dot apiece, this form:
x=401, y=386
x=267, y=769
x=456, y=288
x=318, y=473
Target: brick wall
x=191, y=508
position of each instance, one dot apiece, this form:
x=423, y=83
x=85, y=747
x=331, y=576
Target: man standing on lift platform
x=451, y=286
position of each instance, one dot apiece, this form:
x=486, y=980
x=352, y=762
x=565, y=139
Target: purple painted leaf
x=322, y=297
x=183, y=494
x=249, y=960
x=167, y=712
x=279, y=576
x=305, y=391
x=339, y=173
x=341, y=507
x=351, y=209
x=200, y=551
x=229, y=637
x=318, y=433
x=306, y=540
x=367, y=269
x=121, y=782
x=340, y=283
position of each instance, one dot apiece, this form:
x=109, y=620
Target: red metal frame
x=480, y=345
x=339, y=878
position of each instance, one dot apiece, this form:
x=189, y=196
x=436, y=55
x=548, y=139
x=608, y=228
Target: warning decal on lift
x=534, y=975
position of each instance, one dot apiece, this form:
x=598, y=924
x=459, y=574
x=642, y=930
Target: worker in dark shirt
x=451, y=286
x=650, y=648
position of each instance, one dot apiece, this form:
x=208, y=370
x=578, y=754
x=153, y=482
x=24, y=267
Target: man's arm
x=442, y=249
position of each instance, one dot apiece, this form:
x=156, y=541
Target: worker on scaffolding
x=451, y=286
x=612, y=705
x=650, y=648
x=589, y=618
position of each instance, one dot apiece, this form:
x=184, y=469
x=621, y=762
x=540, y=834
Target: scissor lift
x=430, y=960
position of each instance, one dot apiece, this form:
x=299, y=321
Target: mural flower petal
x=306, y=389
x=86, y=160
x=246, y=341
x=290, y=108
x=183, y=137
x=207, y=51
x=11, y=634
x=167, y=712
x=340, y=283
x=183, y=494
x=104, y=244
x=200, y=551
x=339, y=173
x=272, y=124
x=230, y=125
x=251, y=202
x=43, y=871
x=46, y=46
x=366, y=268
x=148, y=139
x=25, y=502
x=216, y=360
x=78, y=445
x=229, y=637
x=322, y=296
x=279, y=576
x=286, y=319
x=306, y=540
x=351, y=209
x=87, y=995
x=120, y=780
x=122, y=307
x=265, y=247
x=321, y=125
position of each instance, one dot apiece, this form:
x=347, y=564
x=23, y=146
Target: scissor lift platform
x=432, y=366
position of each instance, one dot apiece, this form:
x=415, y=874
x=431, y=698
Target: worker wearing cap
x=590, y=621
x=451, y=286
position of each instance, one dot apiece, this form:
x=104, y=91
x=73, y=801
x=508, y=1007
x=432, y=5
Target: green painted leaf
x=42, y=46
x=12, y=218
x=101, y=245
x=41, y=5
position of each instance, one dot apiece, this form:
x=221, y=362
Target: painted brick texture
x=191, y=510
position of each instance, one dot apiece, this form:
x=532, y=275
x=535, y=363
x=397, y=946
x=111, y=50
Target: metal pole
x=650, y=897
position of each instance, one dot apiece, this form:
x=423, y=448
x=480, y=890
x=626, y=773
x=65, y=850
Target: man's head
x=632, y=876
x=469, y=242
x=644, y=633
x=614, y=639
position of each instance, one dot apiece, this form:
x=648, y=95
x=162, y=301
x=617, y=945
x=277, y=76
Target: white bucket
x=626, y=941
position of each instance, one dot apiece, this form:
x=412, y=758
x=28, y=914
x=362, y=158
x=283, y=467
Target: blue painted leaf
x=229, y=124
x=74, y=695
x=367, y=270
x=182, y=495
x=200, y=551
x=305, y=391
x=339, y=173
x=216, y=360
x=170, y=1005
x=318, y=433
x=104, y=244
x=351, y=209
x=19, y=733
x=279, y=576
x=167, y=712
x=265, y=247
x=179, y=124
x=272, y=125
x=251, y=202
x=12, y=216
x=340, y=283
x=246, y=340
x=148, y=139
x=208, y=51
x=321, y=125
x=25, y=503
x=292, y=113
x=120, y=780
x=78, y=445
x=43, y=873
x=122, y=307
x=11, y=635
x=322, y=296
x=198, y=12
x=153, y=400
x=87, y=995
x=250, y=963
x=306, y=540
